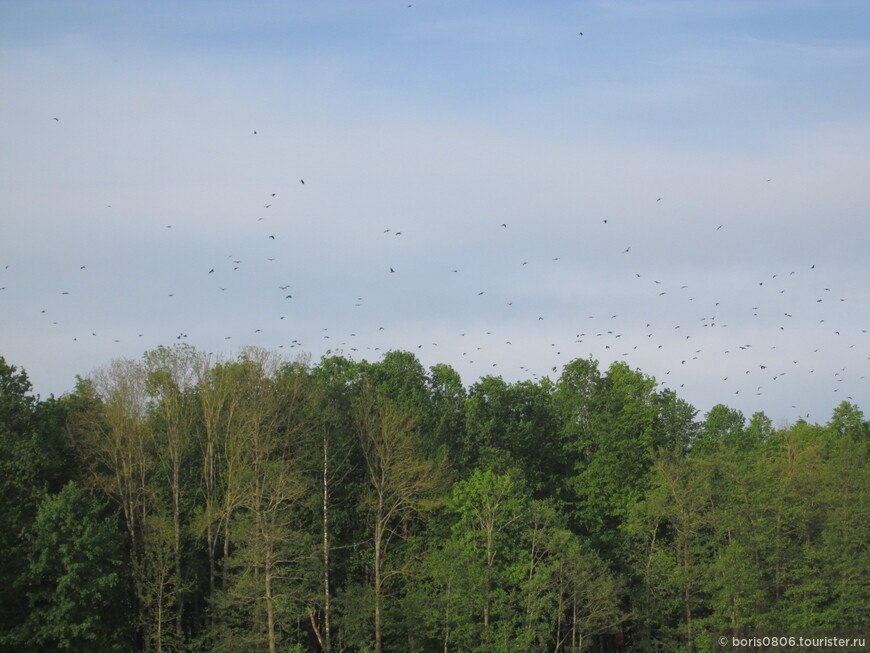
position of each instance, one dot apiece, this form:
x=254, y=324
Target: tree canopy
x=188, y=502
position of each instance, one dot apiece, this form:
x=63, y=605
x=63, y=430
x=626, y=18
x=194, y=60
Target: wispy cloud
x=494, y=142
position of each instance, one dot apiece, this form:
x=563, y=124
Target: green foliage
x=254, y=503
x=511, y=427
x=34, y=459
x=75, y=593
x=613, y=425
x=20, y=490
x=849, y=420
x=737, y=537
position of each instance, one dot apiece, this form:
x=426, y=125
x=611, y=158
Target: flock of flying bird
x=483, y=348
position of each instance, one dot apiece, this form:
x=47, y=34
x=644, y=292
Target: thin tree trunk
x=224, y=584
x=270, y=605
x=326, y=644
x=159, y=629
x=446, y=625
x=176, y=518
x=143, y=513
x=687, y=594
x=486, y=586
x=314, y=629
x=559, y=611
x=211, y=572
x=378, y=536
x=574, y=621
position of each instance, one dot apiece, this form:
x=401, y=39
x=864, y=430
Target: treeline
x=186, y=502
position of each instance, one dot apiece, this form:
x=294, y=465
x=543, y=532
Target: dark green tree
x=722, y=426
x=34, y=459
x=511, y=428
x=612, y=426
x=75, y=595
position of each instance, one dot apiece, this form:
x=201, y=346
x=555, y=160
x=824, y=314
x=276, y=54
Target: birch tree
x=401, y=483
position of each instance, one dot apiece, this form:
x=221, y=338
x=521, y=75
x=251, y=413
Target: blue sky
x=725, y=144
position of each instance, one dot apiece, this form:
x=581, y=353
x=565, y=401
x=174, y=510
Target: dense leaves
x=184, y=502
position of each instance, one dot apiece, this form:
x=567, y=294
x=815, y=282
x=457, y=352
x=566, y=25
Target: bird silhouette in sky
x=493, y=270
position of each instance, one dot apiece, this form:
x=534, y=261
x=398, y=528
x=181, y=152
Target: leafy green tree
x=27, y=469
x=511, y=576
x=738, y=581
x=217, y=402
x=157, y=585
x=35, y=459
x=252, y=504
x=722, y=426
x=512, y=428
x=589, y=594
x=264, y=487
x=612, y=426
x=672, y=526
x=111, y=435
x=334, y=383
x=842, y=550
x=75, y=593
x=489, y=511
x=171, y=378
x=445, y=421
x=401, y=377
x=760, y=432
x=849, y=420
x=822, y=500
x=448, y=594
x=675, y=424
x=401, y=483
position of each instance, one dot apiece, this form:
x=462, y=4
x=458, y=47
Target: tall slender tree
x=114, y=441
x=171, y=380
x=401, y=483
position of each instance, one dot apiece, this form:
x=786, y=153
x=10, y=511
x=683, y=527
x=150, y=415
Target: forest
x=186, y=501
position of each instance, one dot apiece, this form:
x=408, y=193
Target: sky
x=502, y=187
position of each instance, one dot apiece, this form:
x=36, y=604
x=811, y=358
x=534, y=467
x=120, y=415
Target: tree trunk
x=270, y=605
x=559, y=610
x=378, y=536
x=326, y=645
x=211, y=572
x=490, y=558
x=176, y=518
x=687, y=595
x=446, y=625
x=224, y=582
x=574, y=621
